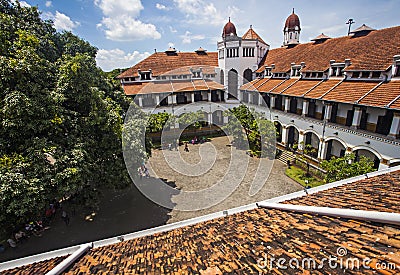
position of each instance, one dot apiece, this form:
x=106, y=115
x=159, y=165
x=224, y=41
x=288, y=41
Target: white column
x=240, y=95
x=192, y=96
x=272, y=101
x=170, y=100
x=260, y=99
x=287, y=104
x=140, y=99
x=284, y=135
x=226, y=95
x=322, y=149
x=306, y=103
x=356, y=118
x=394, y=129
x=210, y=118
x=225, y=119
x=157, y=100
x=209, y=96
x=302, y=140
x=328, y=112
x=174, y=99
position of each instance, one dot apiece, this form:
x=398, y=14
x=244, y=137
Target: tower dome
x=291, y=31
x=229, y=29
x=292, y=22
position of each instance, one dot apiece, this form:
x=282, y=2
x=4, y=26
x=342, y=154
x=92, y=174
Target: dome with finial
x=229, y=29
x=292, y=22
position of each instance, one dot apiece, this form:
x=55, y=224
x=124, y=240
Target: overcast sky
x=126, y=31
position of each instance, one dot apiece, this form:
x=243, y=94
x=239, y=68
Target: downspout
x=70, y=260
x=373, y=216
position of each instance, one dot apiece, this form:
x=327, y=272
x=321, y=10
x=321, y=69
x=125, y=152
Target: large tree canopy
x=55, y=104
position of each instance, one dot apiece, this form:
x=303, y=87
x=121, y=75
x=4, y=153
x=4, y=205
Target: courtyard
x=128, y=210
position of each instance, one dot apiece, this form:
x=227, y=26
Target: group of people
x=143, y=172
x=36, y=228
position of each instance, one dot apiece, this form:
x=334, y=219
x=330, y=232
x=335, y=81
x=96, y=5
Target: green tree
x=248, y=126
x=346, y=167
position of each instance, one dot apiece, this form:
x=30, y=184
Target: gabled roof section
x=373, y=52
x=301, y=87
x=252, y=35
x=383, y=95
x=321, y=37
x=161, y=62
x=350, y=91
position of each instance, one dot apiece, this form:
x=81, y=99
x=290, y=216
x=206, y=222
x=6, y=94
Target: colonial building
x=340, y=95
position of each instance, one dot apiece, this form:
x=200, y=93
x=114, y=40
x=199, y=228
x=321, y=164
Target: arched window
x=247, y=75
x=232, y=84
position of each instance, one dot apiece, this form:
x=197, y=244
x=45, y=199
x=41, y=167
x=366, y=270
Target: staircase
x=285, y=156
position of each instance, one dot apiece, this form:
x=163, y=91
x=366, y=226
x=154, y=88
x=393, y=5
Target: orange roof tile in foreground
x=371, y=194
x=161, y=62
x=270, y=85
x=301, y=87
x=383, y=95
x=350, y=91
x=374, y=51
x=322, y=88
x=133, y=88
x=238, y=243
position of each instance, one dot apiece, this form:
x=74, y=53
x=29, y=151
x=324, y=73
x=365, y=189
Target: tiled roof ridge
x=331, y=89
x=348, y=213
x=370, y=91
x=313, y=87
x=289, y=85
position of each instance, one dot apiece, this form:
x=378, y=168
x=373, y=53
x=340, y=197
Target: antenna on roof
x=350, y=22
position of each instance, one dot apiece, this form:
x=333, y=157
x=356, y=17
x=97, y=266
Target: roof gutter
x=373, y=216
x=70, y=260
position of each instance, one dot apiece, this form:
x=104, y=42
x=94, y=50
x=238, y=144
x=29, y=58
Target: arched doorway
x=311, y=144
x=247, y=76
x=293, y=136
x=278, y=127
x=369, y=154
x=334, y=148
x=232, y=84
x=217, y=118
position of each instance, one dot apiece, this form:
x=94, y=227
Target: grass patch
x=297, y=174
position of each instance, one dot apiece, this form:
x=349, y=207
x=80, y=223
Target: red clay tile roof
x=236, y=243
x=395, y=104
x=279, y=89
x=350, y=91
x=161, y=62
x=252, y=35
x=374, y=51
x=383, y=95
x=41, y=267
x=172, y=86
x=373, y=194
x=254, y=85
x=270, y=84
x=301, y=87
x=322, y=88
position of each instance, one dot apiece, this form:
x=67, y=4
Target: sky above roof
x=126, y=31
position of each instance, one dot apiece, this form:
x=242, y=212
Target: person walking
x=65, y=217
x=186, y=147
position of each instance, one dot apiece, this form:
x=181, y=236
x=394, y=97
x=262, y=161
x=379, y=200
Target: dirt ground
x=128, y=210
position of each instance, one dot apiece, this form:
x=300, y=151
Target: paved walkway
x=128, y=210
